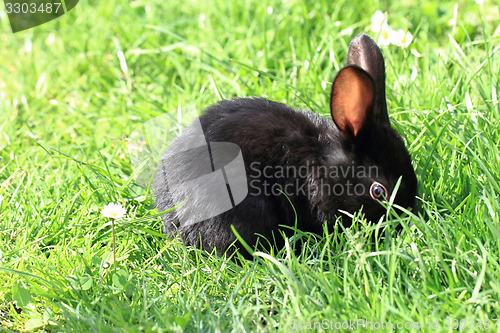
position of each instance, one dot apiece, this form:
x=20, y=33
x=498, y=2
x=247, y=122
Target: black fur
x=277, y=136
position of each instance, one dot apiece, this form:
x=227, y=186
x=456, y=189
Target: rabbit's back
x=267, y=131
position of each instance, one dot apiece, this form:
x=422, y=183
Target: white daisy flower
x=400, y=38
x=113, y=211
x=379, y=22
x=385, y=37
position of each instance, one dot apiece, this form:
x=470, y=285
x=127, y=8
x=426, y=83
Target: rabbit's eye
x=378, y=191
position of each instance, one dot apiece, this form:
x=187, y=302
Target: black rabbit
x=287, y=158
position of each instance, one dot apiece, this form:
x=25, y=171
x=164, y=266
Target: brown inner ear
x=351, y=100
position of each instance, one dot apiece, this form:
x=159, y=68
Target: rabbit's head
x=368, y=143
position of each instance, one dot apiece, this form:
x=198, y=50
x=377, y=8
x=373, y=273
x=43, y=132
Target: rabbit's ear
x=364, y=53
x=351, y=99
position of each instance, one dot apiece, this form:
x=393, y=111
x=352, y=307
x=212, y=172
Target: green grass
x=66, y=107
